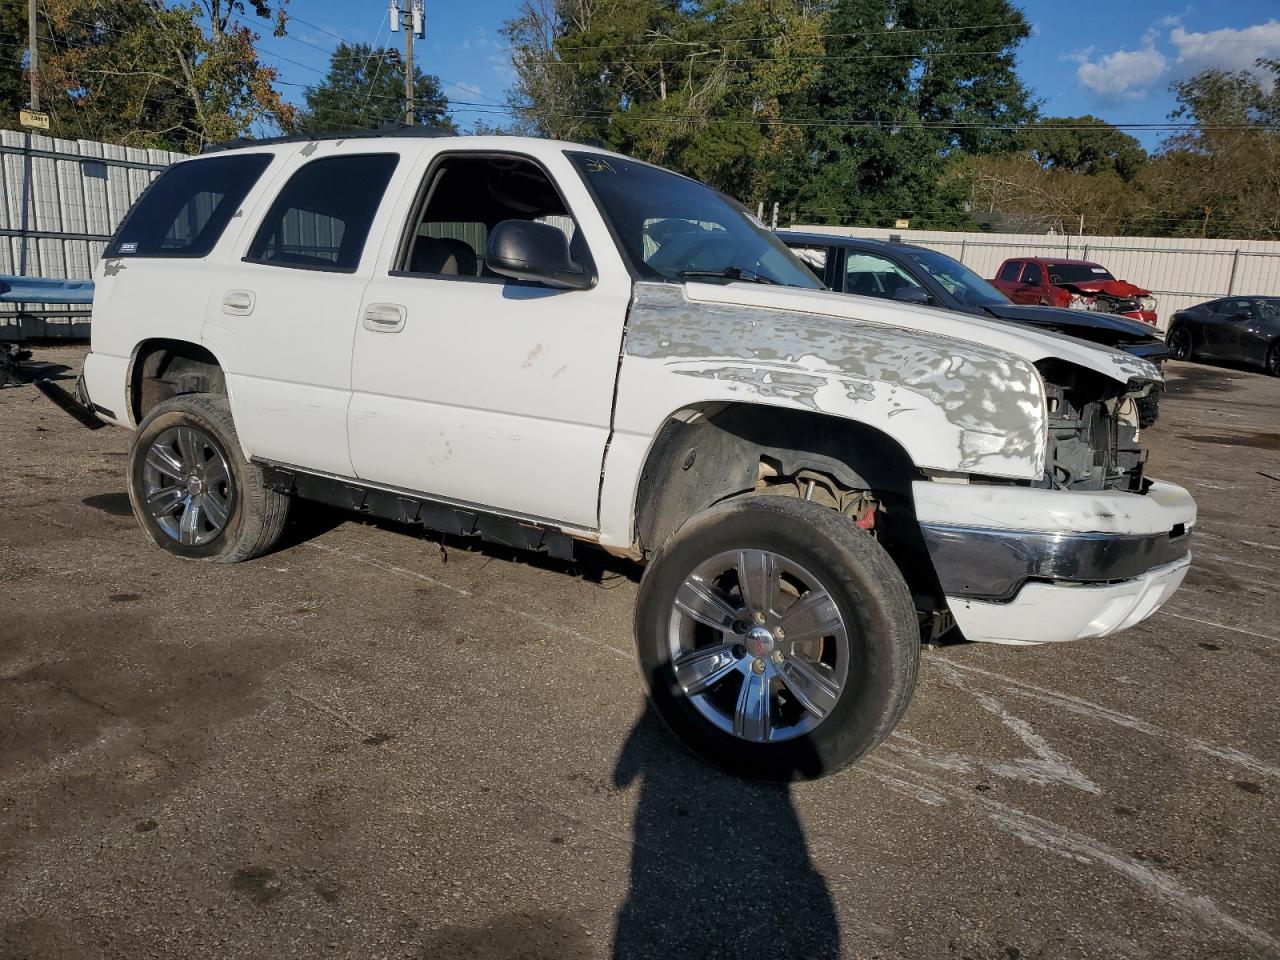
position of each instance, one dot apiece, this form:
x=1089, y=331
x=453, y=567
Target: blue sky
x=1112, y=58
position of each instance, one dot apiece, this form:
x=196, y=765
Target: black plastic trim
x=411, y=508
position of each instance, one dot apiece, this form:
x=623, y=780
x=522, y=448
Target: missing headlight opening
x=1093, y=434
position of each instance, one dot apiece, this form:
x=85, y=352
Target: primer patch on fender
x=852, y=368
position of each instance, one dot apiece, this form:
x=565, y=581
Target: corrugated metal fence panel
x=70, y=195
x=1181, y=271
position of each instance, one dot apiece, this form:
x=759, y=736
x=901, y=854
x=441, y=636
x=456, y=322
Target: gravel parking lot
x=364, y=746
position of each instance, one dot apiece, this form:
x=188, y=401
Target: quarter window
x=183, y=213
x=321, y=218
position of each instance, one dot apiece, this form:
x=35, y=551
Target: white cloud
x=1226, y=49
x=1122, y=74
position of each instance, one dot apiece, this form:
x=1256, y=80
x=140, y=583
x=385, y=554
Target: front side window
x=669, y=227
x=871, y=275
x=321, y=218
x=1033, y=275
x=958, y=280
x=183, y=213
x=1009, y=273
x=465, y=197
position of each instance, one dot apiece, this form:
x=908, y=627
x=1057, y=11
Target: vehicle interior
x=465, y=198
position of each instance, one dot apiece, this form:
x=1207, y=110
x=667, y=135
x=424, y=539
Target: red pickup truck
x=1077, y=284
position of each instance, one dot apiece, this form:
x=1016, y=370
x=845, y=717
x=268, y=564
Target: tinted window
x=1009, y=272
x=874, y=276
x=669, y=227
x=1231, y=309
x=321, y=218
x=1077, y=272
x=959, y=281
x=1032, y=274
x=185, y=211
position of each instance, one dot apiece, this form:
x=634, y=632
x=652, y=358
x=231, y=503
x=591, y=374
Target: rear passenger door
x=284, y=308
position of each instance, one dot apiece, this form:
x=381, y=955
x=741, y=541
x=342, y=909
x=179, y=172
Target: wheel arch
x=161, y=368
x=708, y=453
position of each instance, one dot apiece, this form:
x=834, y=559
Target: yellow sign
x=901, y=224
x=34, y=118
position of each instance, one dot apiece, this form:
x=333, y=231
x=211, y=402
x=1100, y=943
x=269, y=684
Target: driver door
x=477, y=389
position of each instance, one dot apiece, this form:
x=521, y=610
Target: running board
x=403, y=507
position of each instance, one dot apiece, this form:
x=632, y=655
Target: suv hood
x=1023, y=342
x=1108, y=328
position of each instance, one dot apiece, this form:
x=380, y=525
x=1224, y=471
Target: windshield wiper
x=728, y=273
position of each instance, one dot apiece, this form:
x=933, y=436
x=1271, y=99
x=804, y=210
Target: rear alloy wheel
x=778, y=640
x=1273, y=360
x=1179, y=344
x=193, y=492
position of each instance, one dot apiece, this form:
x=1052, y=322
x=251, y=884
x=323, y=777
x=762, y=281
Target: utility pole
x=413, y=20
x=34, y=46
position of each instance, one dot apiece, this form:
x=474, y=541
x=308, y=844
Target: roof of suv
x=398, y=132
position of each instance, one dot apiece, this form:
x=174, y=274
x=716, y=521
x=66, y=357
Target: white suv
x=542, y=344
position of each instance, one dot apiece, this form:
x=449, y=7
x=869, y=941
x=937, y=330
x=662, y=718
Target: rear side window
x=1009, y=272
x=321, y=218
x=185, y=211
x=1033, y=274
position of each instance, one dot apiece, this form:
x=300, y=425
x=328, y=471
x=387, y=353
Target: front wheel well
x=163, y=369
x=703, y=456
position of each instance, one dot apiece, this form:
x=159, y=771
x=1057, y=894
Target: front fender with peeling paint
x=953, y=405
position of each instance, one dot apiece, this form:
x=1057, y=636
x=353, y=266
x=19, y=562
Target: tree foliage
x=149, y=74
x=838, y=110
x=365, y=88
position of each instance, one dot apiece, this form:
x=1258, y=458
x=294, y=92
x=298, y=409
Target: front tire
x=1273, y=360
x=192, y=491
x=1179, y=344
x=778, y=640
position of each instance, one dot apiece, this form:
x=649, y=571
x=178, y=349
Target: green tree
x=364, y=88
x=905, y=87
x=13, y=52
x=1221, y=176
x=144, y=73
x=1086, y=145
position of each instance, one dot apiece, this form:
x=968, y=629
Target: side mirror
x=912, y=295
x=525, y=250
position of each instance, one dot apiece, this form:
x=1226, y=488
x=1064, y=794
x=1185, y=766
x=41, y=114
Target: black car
x=1240, y=329
x=912, y=274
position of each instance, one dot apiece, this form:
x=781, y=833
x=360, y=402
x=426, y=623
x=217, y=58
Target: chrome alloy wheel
x=187, y=486
x=758, y=645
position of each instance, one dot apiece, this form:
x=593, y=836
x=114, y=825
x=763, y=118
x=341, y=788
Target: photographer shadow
x=719, y=865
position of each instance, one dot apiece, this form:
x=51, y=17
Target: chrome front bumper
x=1025, y=565
x=991, y=564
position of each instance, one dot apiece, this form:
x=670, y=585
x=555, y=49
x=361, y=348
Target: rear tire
x=192, y=490
x=816, y=680
x=1273, y=360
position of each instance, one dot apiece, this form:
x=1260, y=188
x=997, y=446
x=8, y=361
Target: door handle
x=384, y=317
x=238, y=303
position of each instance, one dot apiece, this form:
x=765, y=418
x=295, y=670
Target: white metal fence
x=60, y=201
x=1179, y=271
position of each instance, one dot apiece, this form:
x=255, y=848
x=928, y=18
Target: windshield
x=1076, y=272
x=959, y=281
x=674, y=228
x=1267, y=309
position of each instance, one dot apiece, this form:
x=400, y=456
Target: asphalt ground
x=361, y=746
